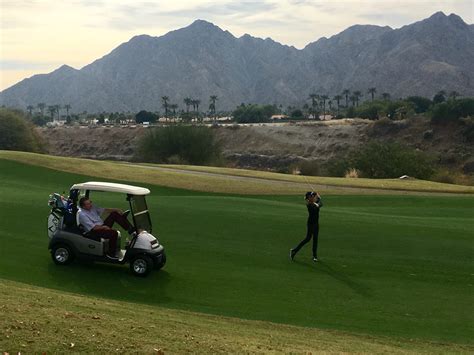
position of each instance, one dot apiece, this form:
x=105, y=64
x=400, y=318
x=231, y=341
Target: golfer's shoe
x=315, y=259
x=292, y=254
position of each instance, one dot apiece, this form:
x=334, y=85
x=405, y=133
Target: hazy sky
x=37, y=36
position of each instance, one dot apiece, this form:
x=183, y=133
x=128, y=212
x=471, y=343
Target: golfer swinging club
x=313, y=203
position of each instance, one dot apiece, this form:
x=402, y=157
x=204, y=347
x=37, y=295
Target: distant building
x=279, y=117
x=325, y=117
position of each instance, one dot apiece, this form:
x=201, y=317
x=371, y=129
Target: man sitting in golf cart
x=90, y=219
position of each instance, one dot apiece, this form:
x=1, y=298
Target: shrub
x=390, y=160
x=179, y=144
x=308, y=167
x=420, y=104
x=439, y=97
x=337, y=166
x=40, y=120
x=383, y=123
x=253, y=113
x=187, y=116
x=352, y=174
x=17, y=133
x=468, y=131
x=453, y=177
x=145, y=116
x=441, y=113
x=296, y=114
x=378, y=160
x=351, y=112
x=452, y=110
x=370, y=110
x=373, y=110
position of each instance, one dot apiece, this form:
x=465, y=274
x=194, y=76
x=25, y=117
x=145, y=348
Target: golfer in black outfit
x=313, y=203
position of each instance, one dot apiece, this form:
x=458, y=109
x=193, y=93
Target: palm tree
x=173, y=107
x=372, y=92
x=187, y=101
x=305, y=110
x=357, y=95
x=386, y=96
x=58, y=108
x=439, y=97
x=314, y=103
x=30, y=109
x=197, y=103
x=165, y=99
x=212, y=105
x=454, y=94
x=338, y=99
x=52, y=111
x=67, y=107
x=346, y=93
x=323, y=100
x=330, y=105
x=41, y=107
x=353, y=98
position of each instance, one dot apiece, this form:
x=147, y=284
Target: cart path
x=283, y=183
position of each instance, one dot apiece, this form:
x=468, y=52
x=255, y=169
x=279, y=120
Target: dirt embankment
x=275, y=146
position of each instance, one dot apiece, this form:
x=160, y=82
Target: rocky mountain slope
x=202, y=60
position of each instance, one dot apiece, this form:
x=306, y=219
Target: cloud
x=140, y=15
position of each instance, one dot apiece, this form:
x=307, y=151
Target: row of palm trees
x=188, y=102
x=51, y=109
x=319, y=101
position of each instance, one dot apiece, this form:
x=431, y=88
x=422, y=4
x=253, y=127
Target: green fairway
x=399, y=266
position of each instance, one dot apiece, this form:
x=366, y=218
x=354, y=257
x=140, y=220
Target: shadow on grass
x=339, y=275
x=111, y=281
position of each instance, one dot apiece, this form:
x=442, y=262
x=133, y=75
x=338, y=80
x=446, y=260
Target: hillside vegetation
x=18, y=133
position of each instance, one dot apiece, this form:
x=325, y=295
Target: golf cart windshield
x=139, y=211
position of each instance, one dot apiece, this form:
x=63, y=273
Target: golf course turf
x=397, y=266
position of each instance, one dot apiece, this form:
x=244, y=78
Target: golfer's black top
x=313, y=211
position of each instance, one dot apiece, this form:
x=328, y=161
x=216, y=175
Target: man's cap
x=309, y=194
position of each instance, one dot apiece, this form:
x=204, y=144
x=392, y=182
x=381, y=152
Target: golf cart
x=68, y=240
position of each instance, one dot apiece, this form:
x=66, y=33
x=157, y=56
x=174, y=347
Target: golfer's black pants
x=312, y=232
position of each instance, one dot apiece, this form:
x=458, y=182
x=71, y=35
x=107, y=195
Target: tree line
x=345, y=104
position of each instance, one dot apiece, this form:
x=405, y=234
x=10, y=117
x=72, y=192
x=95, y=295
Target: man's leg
x=112, y=236
x=315, y=240
x=304, y=241
x=120, y=219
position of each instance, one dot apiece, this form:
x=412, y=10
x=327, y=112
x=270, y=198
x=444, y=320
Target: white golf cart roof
x=111, y=187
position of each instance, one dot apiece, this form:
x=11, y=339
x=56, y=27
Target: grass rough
x=226, y=180
x=40, y=320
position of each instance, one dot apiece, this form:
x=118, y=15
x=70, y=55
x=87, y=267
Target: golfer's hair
x=82, y=200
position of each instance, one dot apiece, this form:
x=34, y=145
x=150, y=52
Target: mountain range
x=202, y=60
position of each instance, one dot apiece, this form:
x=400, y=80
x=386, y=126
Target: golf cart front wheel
x=62, y=254
x=161, y=262
x=141, y=265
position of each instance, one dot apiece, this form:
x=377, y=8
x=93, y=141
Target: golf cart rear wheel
x=141, y=265
x=62, y=254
